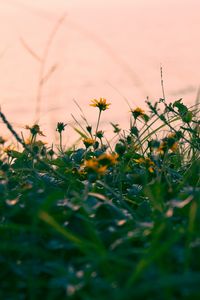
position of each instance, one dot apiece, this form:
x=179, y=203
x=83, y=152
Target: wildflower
x=146, y=162
x=151, y=169
x=168, y=143
x=138, y=112
x=60, y=127
x=101, y=170
x=172, y=142
x=101, y=104
x=139, y=160
x=92, y=165
x=88, y=142
x=171, y=135
x=9, y=150
x=81, y=172
x=162, y=148
x=149, y=161
x=35, y=129
x=28, y=141
x=174, y=147
x=108, y=159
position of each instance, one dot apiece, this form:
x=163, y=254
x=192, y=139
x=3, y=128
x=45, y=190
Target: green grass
x=103, y=220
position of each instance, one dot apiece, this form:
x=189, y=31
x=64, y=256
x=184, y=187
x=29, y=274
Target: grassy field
x=103, y=219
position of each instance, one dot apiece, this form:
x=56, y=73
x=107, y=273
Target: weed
x=90, y=222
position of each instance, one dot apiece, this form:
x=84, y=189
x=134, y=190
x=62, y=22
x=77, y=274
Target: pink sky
x=110, y=49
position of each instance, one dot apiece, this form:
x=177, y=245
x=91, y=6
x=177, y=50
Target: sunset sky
x=112, y=49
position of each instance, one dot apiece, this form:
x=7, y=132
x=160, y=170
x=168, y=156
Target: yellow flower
x=101, y=104
x=151, y=169
x=149, y=161
x=81, y=172
x=101, y=170
x=146, y=162
x=88, y=142
x=174, y=147
x=138, y=112
x=139, y=160
x=93, y=165
x=162, y=148
x=171, y=135
x=172, y=142
x=8, y=150
x=108, y=158
x=165, y=146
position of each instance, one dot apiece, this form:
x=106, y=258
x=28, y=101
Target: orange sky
x=110, y=49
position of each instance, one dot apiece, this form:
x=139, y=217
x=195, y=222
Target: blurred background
x=53, y=52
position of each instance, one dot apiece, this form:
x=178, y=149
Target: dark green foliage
x=92, y=224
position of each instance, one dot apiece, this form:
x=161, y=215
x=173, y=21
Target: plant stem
x=98, y=124
x=61, y=148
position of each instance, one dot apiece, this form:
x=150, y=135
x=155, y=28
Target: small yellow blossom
x=101, y=104
x=151, y=169
x=108, y=158
x=94, y=166
x=81, y=172
x=91, y=163
x=8, y=150
x=138, y=112
x=88, y=142
x=101, y=170
x=174, y=147
x=146, y=162
x=172, y=142
x=149, y=161
x=139, y=160
x=171, y=135
x=162, y=148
